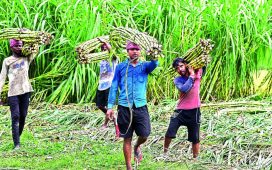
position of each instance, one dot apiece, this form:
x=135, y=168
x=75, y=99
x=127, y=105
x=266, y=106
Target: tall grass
x=241, y=31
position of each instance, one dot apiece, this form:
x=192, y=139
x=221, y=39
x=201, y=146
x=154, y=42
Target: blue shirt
x=184, y=83
x=132, y=82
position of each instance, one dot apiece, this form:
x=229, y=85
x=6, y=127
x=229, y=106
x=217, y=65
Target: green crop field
x=62, y=130
x=240, y=30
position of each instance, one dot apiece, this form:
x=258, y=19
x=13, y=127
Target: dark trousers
x=18, y=108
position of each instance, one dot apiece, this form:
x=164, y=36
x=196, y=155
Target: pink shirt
x=191, y=99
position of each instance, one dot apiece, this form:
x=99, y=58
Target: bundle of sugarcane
x=86, y=51
x=198, y=56
x=94, y=57
x=29, y=49
x=119, y=37
x=25, y=35
x=31, y=39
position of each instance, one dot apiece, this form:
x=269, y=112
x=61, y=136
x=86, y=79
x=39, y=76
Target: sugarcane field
x=136, y=84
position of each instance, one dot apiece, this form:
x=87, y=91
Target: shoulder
x=119, y=65
x=9, y=60
x=26, y=59
x=151, y=64
x=102, y=62
x=5, y=60
x=122, y=64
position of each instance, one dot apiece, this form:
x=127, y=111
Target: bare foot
x=103, y=127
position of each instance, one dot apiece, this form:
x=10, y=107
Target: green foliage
x=241, y=31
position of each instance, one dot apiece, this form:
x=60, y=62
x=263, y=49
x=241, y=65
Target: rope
x=129, y=105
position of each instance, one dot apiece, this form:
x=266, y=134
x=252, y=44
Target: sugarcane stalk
x=118, y=38
x=31, y=39
x=92, y=57
x=30, y=49
x=147, y=43
x=198, y=56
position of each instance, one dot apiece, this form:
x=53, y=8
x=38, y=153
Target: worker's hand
x=108, y=46
x=154, y=53
x=191, y=70
x=36, y=48
x=101, y=40
x=21, y=30
x=110, y=114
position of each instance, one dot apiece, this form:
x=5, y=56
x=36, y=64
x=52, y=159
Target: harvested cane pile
x=228, y=139
x=86, y=51
x=198, y=56
x=31, y=39
x=241, y=140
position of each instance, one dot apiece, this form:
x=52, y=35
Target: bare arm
x=33, y=55
x=3, y=76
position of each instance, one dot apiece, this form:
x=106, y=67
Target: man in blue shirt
x=131, y=79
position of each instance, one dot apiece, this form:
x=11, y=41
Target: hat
x=14, y=42
x=132, y=45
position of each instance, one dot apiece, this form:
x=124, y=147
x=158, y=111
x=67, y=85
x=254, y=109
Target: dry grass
x=230, y=139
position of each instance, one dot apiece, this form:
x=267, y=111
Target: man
x=187, y=112
x=16, y=68
x=131, y=79
x=105, y=80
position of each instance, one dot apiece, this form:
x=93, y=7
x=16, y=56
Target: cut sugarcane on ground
x=229, y=139
x=31, y=39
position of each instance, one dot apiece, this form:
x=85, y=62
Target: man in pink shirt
x=187, y=112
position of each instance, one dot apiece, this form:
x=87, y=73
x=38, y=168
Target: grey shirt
x=17, y=71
